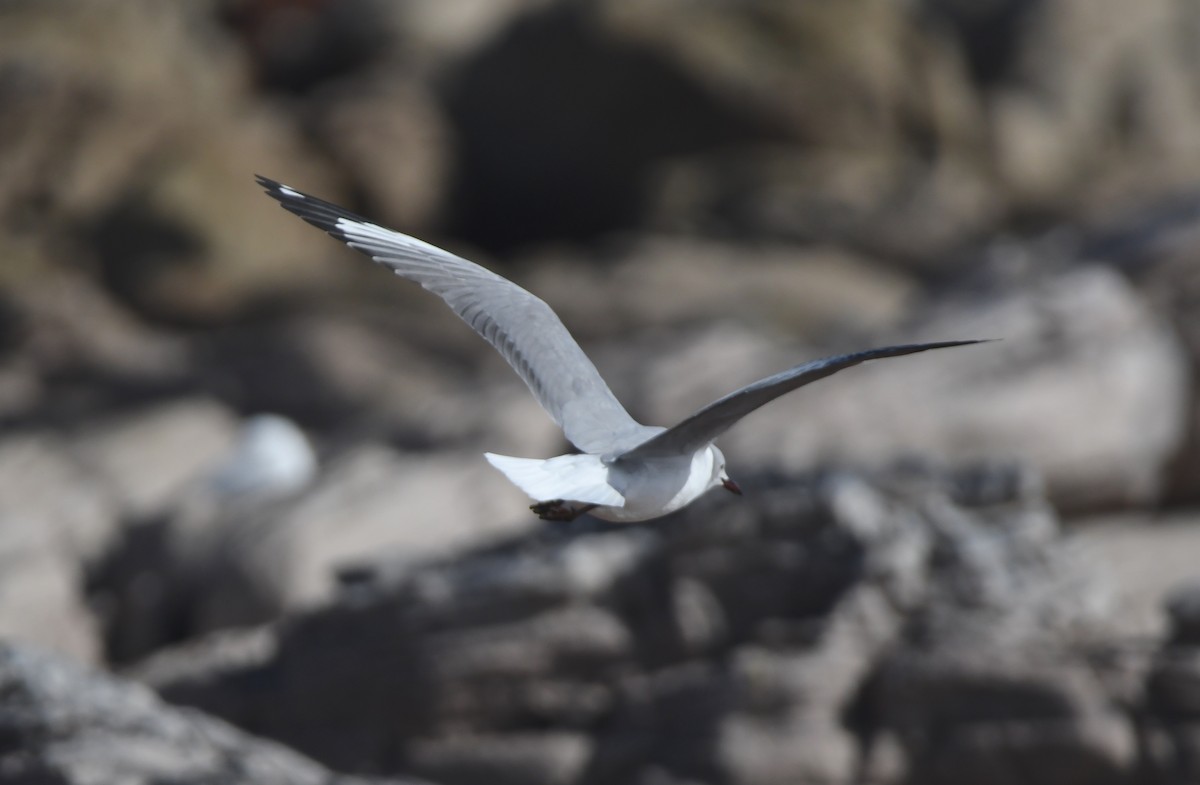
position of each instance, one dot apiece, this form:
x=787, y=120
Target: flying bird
x=625, y=471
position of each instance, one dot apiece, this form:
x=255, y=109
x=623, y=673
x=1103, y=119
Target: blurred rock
x=650, y=285
x=1029, y=397
x=581, y=645
x=73, y=354
x=42, y=601
x=437, y=34
x=296, y=45
x=1157, y=244
x=1059, y=73
x=948, y=115
x=915, y=217
x=192, y=666
x=582, y=166
x=999, y=710
x=272, y=561
x=788, y=723
x=993, y=679
x=65, y=725
x=389, y=136
x=1147, y=558
x=1172, y=692
x=49, y=495
x=1183, y=606
x=53, y=516
x=850, y=114
x=862, y=123
x=401, y=369
x=1084, y=330
x=306, y=367
x=1173, y=685
x=531, y=759
x=150, y=457
x=181, y=473
x=849, y=59
x=234, y=555
x=69, y=503
x=133, y=143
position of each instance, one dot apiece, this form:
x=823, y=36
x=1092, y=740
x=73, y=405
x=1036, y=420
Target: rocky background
x=246, y=531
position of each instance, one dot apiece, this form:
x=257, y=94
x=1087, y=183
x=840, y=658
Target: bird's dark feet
x=559, y=510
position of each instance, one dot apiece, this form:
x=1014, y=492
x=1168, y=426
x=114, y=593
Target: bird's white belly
x=658, y=487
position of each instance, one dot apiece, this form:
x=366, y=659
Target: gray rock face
x=154, y=456
x=1004, y=712
x=786, y=634
x=1150, y=561
x=53, y=516
x=507, y=759
x=61, y=724
x=1183, y=607
x=1156, y=246
x=180, y=476
x=1027, y=397
x=229, y=555
x=1173, y=692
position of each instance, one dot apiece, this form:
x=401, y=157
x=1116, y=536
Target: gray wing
x=520, y=326
x=716, y=418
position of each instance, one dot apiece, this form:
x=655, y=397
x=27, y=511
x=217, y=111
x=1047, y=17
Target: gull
x=625, y=471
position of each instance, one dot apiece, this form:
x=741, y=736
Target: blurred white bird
x=626, y=471
x=272, y=458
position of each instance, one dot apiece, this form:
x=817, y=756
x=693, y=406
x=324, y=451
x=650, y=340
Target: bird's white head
x=719, y=476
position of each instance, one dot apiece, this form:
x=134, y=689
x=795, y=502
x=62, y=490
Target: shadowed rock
x=62, y=724
x=745, y=642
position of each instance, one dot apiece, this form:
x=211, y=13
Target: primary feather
x=717, y=417
x=526, y=332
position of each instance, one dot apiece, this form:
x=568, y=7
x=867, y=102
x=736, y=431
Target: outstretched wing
x=519, y=325
x=716, y=418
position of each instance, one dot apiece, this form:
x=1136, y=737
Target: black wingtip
x=279, y=191
x=901, y=350
x=914, y=348
x=321, y=214
x=951, y=344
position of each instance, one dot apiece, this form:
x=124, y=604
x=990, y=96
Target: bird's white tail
x=575, y=478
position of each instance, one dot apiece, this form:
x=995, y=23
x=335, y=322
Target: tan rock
x=53, y=516
x=1086, y=385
